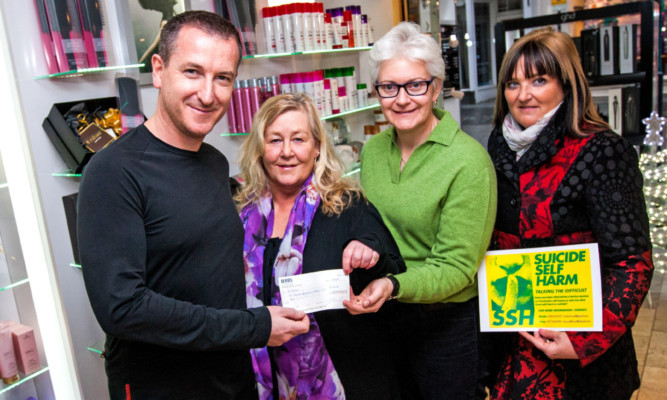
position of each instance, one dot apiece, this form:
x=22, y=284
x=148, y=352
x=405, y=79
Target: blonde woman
x=300, y=216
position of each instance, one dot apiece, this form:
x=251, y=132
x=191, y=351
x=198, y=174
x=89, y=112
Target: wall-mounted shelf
x=619, y=79
x=309, y=52
x=97, y=348
x=14, y=284
x=88, y=71
x=354, y=169
x=356, y=110
x=23, y=380
x=235, y=134
x=66, y=174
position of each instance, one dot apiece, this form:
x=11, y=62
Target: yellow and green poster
x=547, y=287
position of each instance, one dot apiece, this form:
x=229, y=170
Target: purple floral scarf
x=304, y=368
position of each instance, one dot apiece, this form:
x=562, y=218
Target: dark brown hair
x=209, y=22
x=547, y=52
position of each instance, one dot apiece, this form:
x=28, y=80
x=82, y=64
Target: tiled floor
x=650, y=334
x=650, y=331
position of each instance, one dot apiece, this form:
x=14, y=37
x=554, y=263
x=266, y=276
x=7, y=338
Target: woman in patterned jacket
x=565, y=178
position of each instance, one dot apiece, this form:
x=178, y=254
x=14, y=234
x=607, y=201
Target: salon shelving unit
x=31, y=294
x=646, y=76
x=383, y=15
x=54, y=300
x=14, y=286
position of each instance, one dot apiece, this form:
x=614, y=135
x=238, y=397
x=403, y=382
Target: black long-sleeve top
x=162, y=257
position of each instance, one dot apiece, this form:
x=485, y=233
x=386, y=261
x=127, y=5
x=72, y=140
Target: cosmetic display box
x=608, y=50
x=627, y=48
x=590, y=45
x=65, y=139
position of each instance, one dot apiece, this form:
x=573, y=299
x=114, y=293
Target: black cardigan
x=360, y=346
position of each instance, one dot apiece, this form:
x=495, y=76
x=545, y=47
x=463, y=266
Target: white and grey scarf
x=519, y=139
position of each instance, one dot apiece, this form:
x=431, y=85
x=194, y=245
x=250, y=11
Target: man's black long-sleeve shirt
x=162, y=258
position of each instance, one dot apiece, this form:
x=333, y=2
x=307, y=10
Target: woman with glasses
x=435, y=188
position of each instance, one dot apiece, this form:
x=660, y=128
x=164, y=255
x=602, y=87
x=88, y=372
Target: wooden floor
x=650, y=334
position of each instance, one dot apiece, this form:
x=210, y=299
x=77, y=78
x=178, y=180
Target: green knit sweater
x=440, y=209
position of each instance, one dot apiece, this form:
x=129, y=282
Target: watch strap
x=394, y=282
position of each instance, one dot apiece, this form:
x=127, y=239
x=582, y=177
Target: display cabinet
x=646, y=76
x=55, y=290
x=29, y=291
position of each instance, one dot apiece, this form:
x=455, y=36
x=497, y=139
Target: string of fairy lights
x=654, y=167
x=655, y=191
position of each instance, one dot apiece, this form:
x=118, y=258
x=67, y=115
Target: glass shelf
x=274, y=55
x=356, y=110
x=75, y=265
x=235, y=134
x=4, y=185
x=87, y=71
x=14, y=284
x=67, y=174
x=97, y=348
x=354, y=169
x=23, y=380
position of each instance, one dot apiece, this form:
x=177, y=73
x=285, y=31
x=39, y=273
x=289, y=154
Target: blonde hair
x=547, y=52
x=336, y=192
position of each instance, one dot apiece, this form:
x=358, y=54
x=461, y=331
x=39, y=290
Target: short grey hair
x=407, y=40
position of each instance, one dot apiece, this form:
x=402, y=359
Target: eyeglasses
x=414, y=88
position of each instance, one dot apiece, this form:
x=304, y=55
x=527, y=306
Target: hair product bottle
x=268, y=16
x=246, y=108
x=288, y=31
x=327, y=97
x=295, y=11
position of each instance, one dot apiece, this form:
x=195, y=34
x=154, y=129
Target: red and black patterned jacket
x=567, y=190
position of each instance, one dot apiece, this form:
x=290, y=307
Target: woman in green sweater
x=435, y=188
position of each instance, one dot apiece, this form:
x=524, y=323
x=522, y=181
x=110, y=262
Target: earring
x=433, y=106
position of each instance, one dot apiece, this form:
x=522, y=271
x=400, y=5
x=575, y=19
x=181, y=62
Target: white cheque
x=316, y=291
